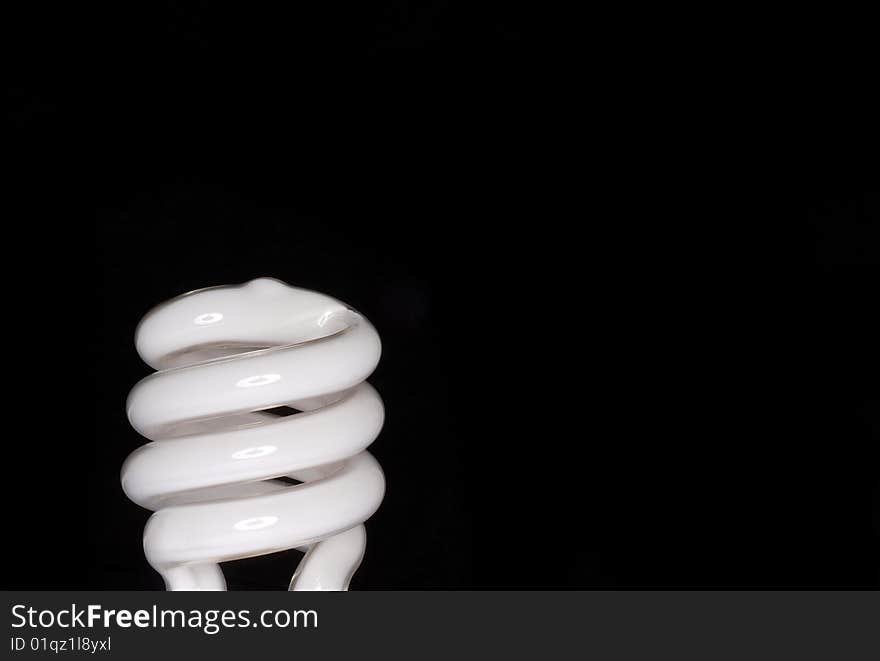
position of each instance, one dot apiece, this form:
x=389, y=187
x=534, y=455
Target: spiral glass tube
x=258, y=418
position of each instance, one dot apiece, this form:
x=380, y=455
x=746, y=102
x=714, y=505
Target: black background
x=627, y=305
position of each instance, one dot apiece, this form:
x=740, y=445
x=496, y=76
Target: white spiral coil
x=227, y=358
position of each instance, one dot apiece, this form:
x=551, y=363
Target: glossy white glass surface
x=225, y=357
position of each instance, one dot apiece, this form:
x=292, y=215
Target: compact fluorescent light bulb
x=256, y=384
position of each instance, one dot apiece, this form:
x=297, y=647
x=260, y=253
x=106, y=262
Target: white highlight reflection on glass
x=324, y=318
x=254, y=452
x=258, y=380
x=256, y=523
x=208, y=318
